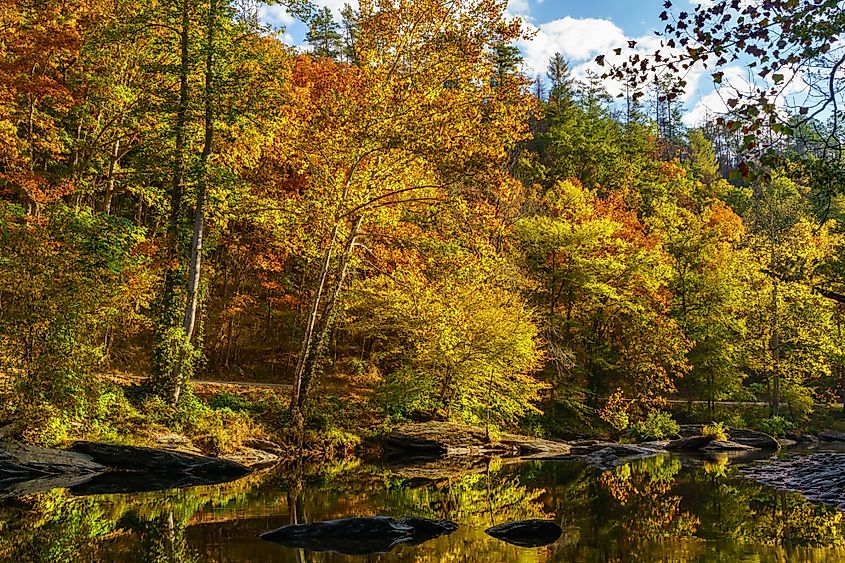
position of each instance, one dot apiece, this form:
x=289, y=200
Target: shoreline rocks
x=436, y=439
x=95, y=468
x=818, y=477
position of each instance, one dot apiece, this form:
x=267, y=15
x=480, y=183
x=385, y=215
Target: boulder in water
x=527, y=533
x=359, y=536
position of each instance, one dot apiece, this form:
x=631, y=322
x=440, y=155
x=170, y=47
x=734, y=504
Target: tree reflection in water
x=659, y=509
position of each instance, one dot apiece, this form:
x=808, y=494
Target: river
x=666, y=508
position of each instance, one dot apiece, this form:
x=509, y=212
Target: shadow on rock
x=359, y=536
x=527, y=533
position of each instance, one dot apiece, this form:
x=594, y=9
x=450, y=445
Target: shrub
x=221, y=431
x=231, y=401
x=715, y=430
x=656, y=426
x=777, y=426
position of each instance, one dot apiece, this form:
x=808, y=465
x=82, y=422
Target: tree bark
x=189, y=321
x=163, y=381
x=319, y=325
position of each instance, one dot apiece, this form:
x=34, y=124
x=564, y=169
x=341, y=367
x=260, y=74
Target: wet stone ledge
x=818, y=477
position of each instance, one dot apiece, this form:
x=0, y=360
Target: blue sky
x=579, y=30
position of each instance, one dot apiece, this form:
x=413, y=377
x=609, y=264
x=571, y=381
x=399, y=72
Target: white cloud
x=519, y=8
x=276, y=16
x=576, y=39
x=715, y=102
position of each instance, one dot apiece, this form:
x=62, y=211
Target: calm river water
x=660, y=509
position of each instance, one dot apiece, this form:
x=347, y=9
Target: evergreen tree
x=324, y=35
x=507, y=59
x=560, y=76
x=351, y=31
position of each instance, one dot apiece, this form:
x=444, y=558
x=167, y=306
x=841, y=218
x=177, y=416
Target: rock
x=438, y=438
x=359, y=536
x=527, y=533
x=448, y=438
x=536, y=447
x=831, y=436
x=786, y=442
x=252, y=457
x=754, y=438
x=656, y=446
x=805, y=438
x=725, y=446
x=152, y=460
x=29, y=469
x=690, y=430
x=8, y=429
x=690, y=444
x=265, y=446
x=817, y=477
x=94, y=468
x=176, y=442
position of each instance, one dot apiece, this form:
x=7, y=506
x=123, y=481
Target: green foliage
x=232, y=401
x=456, y=344
x=777, y=426
x=656, y=426
x=59, y=277
x=715, y=430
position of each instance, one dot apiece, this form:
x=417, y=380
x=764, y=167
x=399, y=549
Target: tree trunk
x=163, y=377
x=775, y=351
x=115, y=155
x=320, y=331
x=310, y=324
x=189, y=320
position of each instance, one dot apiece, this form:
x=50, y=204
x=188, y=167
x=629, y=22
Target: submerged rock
x=359, y=536
x=527, y=533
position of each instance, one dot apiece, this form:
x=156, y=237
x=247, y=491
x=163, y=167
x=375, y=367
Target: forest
x=397, y=224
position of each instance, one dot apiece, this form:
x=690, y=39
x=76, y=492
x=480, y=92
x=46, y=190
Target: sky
x=579, y=30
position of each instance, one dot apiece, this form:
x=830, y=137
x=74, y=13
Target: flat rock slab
x=359, y=536
x=689, y=444
x=754, y=438
x=152, y=460
x=819, y=477
x=28, y=469
x=726, y=446
x=93, y=468
x=831, y=436
x=449, y=438
x=527, y=533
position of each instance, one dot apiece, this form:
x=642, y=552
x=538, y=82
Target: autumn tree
x=604, y=289
x=419, y=117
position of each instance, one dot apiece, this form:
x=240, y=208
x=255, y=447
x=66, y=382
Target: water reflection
x=658, y=509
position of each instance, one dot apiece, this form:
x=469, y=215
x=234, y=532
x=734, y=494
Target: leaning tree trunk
x=320, y=324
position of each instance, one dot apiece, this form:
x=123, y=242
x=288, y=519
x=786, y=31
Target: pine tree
x=351, y=31
x=560, y=76
x=324, y=35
